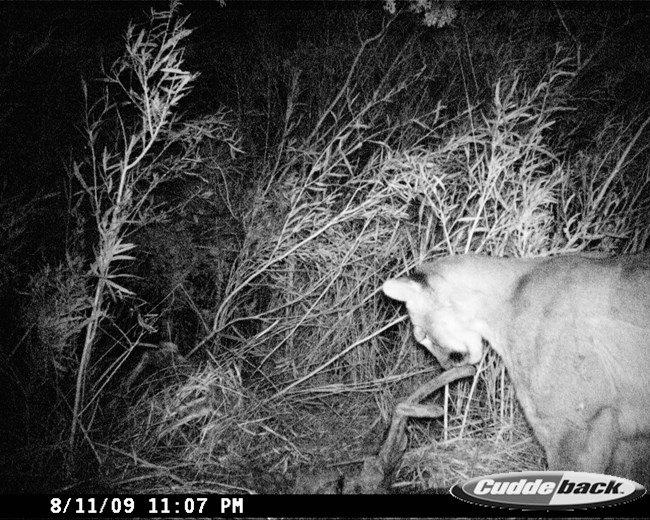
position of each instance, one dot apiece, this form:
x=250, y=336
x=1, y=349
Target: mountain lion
x=574, y=333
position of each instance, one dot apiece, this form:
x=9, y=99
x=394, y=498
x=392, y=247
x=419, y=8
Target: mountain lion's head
x=447, y=331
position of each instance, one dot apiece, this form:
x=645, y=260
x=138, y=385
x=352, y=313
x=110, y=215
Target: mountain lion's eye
x=457, y=357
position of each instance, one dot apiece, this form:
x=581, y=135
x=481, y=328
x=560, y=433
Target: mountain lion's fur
x=574, y=333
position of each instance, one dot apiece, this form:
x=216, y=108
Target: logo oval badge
x=548, y=490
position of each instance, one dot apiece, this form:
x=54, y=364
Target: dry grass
x=318, y=353
x=297, y=360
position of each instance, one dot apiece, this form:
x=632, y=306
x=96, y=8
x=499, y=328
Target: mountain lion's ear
x=402, y=289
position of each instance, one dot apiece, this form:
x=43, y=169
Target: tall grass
x=350, y=205
x=119, y=177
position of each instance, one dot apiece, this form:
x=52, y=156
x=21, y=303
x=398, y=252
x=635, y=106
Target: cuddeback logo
x=548, y=490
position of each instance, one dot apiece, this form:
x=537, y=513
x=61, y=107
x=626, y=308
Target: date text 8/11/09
x=143, y=505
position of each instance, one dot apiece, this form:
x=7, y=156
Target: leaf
x=119, y=288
